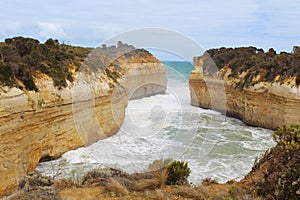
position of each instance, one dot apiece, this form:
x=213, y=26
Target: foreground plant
x=178, y=173
x=288, y=137
x=282, y=176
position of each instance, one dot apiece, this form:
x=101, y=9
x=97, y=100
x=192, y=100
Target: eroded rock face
x=45, y=124
x=264, y=104
x=144, y=79
x=41, y=125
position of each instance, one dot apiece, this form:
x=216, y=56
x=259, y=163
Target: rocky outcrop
x=260, y=103
x=41, y=125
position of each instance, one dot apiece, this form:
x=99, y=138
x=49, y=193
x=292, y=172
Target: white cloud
x=212, y=23
x=51, y=30
x=8, y=28
x=278, y=19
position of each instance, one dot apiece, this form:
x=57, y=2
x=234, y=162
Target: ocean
x=166, y=126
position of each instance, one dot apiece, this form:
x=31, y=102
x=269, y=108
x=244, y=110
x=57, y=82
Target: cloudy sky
x=211, y=23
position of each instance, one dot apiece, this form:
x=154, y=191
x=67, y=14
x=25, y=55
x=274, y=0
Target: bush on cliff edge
x=282, y=174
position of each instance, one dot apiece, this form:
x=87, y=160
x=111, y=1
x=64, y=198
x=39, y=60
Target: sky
x=210, y=23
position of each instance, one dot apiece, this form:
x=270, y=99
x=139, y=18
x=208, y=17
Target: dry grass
x=160, y=195
x=84, y=193
x=39, y=193
x=161, y=175
x=64, y=183
x=146, y=184
x=110, y=184
x=115, y=186
x=201, y=189
x=208, y=181
x=190, y=192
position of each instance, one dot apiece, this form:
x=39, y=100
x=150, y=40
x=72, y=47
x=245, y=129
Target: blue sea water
x=182, y=68
x=167, y=126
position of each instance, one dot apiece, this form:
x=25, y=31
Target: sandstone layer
x=42, y=125
x=265, y=104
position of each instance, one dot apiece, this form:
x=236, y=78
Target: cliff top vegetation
x=21, y=57
x=258, y=66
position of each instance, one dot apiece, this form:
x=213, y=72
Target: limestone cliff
x=43, y=123
x=144, y=74
x=257, y=87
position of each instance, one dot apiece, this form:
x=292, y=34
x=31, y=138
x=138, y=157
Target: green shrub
x=288, y=185
x=288, y=137
x=298, y=79
x=267, y=65
x=21, y=57
x=29, y=83
x=282, y=176
x=178, y=172
x=6, y=75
